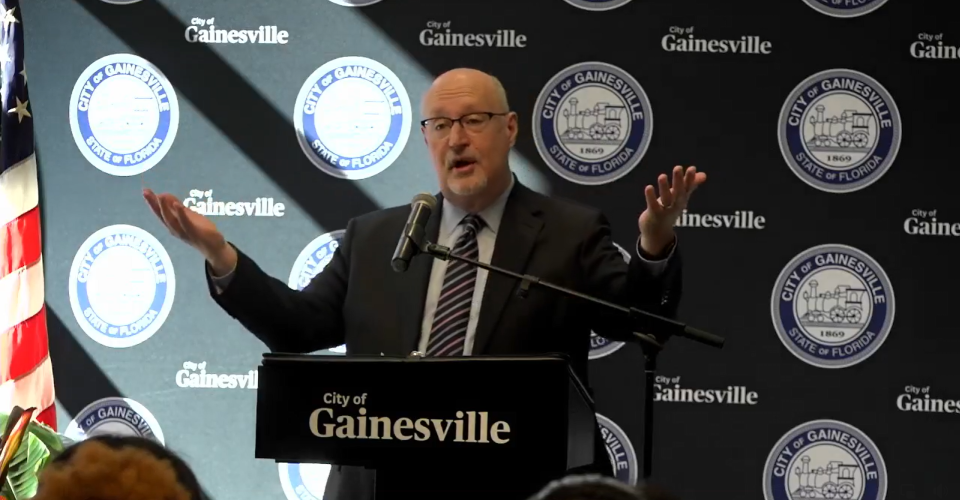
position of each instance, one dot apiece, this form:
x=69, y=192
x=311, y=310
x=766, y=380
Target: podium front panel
x=488, y=412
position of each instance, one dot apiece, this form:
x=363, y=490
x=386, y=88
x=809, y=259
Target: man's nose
x=458, y=136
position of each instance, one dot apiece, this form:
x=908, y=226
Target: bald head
x=482, y=87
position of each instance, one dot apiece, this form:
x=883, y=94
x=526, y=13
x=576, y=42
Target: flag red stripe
x=48, y=416
x=20, y=242
x=34, y=389
x=24, y=346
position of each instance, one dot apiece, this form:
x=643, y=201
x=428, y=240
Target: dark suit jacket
x=559, y=241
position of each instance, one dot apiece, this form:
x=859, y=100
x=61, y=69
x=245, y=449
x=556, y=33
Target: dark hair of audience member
x=118, y=468
x=595, y=487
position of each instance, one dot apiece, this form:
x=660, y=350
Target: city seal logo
x=124, y=114
x=352, y=117
x=839, y=131
x=620, y=450
x=845, y=8
x=121, y=286
x=592, y=123
x=114, y=416
x=314, y=257
x=599, y=346
x=832, y=306
x=311, y=261
x=825, y=459
x=598, y=5
x=303, y=481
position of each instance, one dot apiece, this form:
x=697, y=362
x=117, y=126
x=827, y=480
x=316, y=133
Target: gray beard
x=471, y=189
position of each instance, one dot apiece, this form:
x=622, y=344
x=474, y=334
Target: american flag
x=26, y=375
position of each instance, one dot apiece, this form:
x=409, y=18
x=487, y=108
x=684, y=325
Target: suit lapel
x=412, y=288
x=518, y=233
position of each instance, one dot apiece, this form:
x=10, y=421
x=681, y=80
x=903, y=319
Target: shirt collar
x=492, y=215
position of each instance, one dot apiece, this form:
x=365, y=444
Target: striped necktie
x=450, y=320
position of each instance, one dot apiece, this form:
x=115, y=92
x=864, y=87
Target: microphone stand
x=649, y=343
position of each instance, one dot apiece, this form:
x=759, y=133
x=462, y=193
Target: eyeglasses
x=439, y=127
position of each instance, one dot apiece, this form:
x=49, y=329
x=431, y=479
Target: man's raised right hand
x=194, y=229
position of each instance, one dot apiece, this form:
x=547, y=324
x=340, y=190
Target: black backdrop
x=775, y=261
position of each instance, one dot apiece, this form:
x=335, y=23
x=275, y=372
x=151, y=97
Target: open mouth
x=462, y=165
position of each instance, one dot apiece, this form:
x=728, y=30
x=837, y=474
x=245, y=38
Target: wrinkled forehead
x=454, y=99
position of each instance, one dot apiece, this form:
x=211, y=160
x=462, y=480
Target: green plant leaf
x=41, y=444
x=49, y=437
x=23, y=477
x=8, y=493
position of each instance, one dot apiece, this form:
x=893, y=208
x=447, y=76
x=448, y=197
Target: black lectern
x=459, y=427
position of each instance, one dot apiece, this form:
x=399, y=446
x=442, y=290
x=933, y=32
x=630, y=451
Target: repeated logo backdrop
x=819, y=246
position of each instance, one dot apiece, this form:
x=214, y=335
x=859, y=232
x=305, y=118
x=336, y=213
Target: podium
x=459, y=427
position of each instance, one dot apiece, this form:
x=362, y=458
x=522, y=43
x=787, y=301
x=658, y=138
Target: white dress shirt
x=450, y=230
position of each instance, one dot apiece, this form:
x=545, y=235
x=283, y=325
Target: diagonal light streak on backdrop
x=155, y=31
x=267, y=138
x=79, y=379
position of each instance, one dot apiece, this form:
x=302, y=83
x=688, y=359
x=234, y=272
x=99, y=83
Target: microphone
x=412, y=238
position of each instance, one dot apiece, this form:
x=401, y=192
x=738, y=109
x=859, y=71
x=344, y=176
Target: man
x=450, y=309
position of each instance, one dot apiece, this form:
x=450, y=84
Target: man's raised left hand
x=656, y=222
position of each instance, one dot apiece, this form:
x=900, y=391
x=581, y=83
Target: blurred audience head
x=118, y=468
x=596, y=487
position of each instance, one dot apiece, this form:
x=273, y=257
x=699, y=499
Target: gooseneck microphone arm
x=652, y=322
x=659, y=326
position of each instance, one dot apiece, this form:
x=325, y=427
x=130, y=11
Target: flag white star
x=20, y=110
x=24, y=73
x=8, y=17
